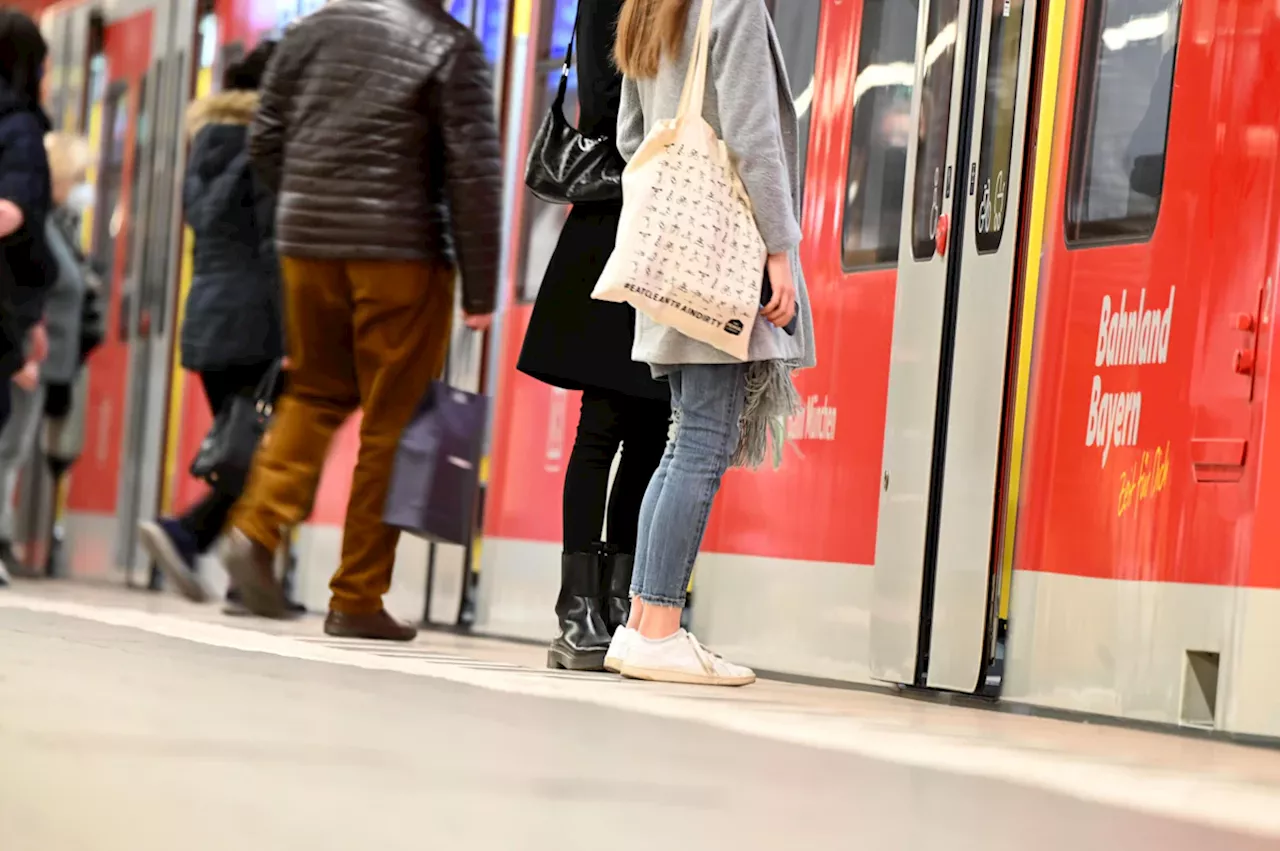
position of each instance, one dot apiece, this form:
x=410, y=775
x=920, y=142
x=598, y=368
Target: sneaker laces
x=706, y=656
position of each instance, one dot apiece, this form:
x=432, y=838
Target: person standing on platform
x=725, y=410
x=577, y=343
x=232, y=326
x=27, y=270
x=58, y=338
x=377, y=128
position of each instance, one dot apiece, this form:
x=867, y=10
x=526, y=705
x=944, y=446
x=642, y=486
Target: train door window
x=934, y=127
x=797, y=26
x=996, y=143
x=1123, y=97
x=115, y=112
x=464, y=11
x=881, y=133
x=208, y=38
x=125, y=236
x=490, y=24
x=544, y=221
x=140, y=134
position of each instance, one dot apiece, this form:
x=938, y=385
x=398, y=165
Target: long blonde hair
x=645, y=29
x=69, y=156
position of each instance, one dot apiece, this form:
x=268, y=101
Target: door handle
x=944, y=230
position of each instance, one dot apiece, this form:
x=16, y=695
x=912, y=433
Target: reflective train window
x=1001, y=102
x=1123, y=97
x=881, y=133
x=797, y=24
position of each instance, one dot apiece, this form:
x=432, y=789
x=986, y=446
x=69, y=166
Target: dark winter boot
x=617, y=595
x=583, y=639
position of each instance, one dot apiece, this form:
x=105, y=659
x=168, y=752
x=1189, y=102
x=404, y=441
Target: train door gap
x=932, y=624
x=957, y=183
x=995, y=644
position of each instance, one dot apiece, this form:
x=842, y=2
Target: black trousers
x=607, y=421
x=206, y=518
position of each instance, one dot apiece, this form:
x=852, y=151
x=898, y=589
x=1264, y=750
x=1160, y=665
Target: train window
x=1123, y=97
x=995, y=151
x=463, y=10
x=935, y=126
x=115, y=123
x=797, y=26
x=881, y=133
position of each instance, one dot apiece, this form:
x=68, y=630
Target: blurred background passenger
x=26, y=269
x=378, y=129
x=232, y=325
x=75, y=321
x=578, y=343
x=43, y=387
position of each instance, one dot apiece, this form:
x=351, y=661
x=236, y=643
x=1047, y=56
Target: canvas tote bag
x=689, y=254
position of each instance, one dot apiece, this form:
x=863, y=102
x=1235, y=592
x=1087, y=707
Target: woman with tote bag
x=577, y=343
x=706, y=109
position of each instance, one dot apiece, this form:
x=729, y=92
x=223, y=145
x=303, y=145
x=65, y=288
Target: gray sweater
x=63, y=308
x=761, y=132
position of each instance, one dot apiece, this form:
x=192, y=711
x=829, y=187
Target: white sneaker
x=618, y=648
x=681, y=658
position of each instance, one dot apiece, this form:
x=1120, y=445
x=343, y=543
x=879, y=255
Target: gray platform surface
x=118, y=739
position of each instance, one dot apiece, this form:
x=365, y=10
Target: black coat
x=27, y=270
x=379, y=130
x=573, y=341
x=233, y=314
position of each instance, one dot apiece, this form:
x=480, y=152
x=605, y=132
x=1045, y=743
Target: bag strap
x=568, y=63
x=695, y=80
x=264, y=396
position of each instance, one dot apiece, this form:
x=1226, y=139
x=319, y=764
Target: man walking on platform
x=377, y=129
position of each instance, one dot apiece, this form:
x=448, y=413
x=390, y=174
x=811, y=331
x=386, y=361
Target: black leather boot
x=617, y=593
x=583, y=639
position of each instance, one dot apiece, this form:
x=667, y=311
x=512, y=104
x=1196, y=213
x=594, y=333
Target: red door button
x=1244, y=322
x=944, y=229
x=1244, y=361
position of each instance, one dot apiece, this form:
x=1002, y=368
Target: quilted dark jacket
x=377, y=127
x=233, y=315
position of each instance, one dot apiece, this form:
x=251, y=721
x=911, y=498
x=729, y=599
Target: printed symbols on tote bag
x=689, y=254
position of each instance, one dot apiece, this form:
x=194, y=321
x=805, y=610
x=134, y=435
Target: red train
x=1041, y=243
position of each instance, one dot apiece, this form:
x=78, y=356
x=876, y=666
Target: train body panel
x=1136, y=578
x=1136, y=593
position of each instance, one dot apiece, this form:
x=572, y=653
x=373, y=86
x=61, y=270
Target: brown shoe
x=379, y=627
x=251, y=567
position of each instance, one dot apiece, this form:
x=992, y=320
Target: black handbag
x=566, y=167
x=227, y=450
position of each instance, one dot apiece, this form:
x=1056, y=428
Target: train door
x=452, y=569
x=140, y=80
x=956, y=291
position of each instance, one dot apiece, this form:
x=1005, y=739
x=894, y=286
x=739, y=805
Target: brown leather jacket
x=377, y=128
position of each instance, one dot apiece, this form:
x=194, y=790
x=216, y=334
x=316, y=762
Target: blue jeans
x=707, y=402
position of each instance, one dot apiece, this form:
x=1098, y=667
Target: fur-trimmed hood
x=235, y=107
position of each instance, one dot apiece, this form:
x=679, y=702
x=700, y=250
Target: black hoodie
x=27, y=271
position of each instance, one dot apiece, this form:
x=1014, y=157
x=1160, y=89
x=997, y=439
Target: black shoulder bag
x=227, y=451
x=566, y=167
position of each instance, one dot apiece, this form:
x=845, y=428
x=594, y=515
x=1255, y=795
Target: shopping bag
x=436, y=476
x=689, y=254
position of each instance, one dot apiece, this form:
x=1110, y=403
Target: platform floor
x=133, y=722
